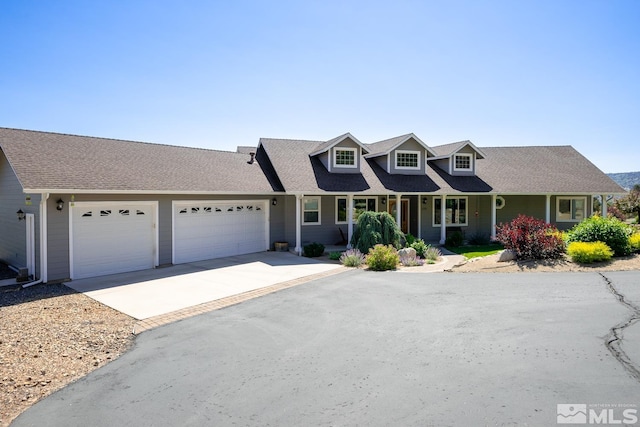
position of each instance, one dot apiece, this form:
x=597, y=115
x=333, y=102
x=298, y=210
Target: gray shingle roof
x=384, y=147
x=51, y=161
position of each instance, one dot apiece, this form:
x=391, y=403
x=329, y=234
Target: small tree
x=630, y=204
x=376, y=228
x=531, y=238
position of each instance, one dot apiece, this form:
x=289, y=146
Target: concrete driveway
x=149, y=293
x=379, y=349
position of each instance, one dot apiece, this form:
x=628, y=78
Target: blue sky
x=218, y=74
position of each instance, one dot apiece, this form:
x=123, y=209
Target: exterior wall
x=58, y=230
x=13, y=242
x=410, y=145
x=442, y=164
x=347, y=143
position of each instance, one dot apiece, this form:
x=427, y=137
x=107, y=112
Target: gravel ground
x=50, y=336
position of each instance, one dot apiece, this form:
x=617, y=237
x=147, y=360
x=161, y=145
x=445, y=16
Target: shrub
x=611, y=231
x=432, y=254
x=376, y=228
x=454, y=240
x=479, y=239
x=588, y=252
x=313, y=250
x=634, y=242
x=352, y=258
x=409, y=239
x=383, y=258
x=334, y=256
x=420, y=247
x=411, y=261
x=531, y=238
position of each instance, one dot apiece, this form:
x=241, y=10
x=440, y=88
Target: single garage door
x=108, y=238
x=214, y=229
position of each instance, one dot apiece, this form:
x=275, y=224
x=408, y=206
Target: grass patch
x=475, y=251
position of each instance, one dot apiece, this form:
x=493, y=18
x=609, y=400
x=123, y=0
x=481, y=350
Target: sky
x=218, y=74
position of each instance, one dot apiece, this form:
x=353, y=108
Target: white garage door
x=109, y=238
x=206, y=230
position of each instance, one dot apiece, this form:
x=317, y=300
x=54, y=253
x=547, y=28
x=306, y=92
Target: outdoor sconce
x=384, y=201
x=424, y=200
x=21, y=215
x=274, y=201
x=59, y=204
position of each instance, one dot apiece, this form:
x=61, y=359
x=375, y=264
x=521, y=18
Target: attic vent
x=253, y=158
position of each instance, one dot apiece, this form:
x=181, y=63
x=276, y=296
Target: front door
x=404, y=213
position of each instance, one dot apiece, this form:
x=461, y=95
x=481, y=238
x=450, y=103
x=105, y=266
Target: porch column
x=398, y=209
x=547, y=209
x=349, y=219
x=298, y=224
x=494, y=197
x=604, y=205
x=420, y=206
x=443, y=219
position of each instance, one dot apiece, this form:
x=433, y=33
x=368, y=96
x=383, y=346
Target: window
x=407, y=159
x=570, y=209
x=455, y=211
x=462, y=162
x=344, y=157
x=359, y=205
x=311, y=211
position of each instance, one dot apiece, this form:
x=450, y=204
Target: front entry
x=404, y=213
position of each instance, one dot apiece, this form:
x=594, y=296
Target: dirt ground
x=490, y=264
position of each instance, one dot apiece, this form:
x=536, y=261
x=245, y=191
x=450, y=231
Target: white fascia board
x=85, y=191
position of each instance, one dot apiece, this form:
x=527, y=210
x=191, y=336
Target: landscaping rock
x=407, y=253
x=506, y=255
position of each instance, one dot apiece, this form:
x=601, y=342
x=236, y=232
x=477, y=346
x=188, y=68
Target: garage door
x=207, y=230
x=109, y=238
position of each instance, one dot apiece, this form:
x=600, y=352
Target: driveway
x=149, y=293
x=364, y=348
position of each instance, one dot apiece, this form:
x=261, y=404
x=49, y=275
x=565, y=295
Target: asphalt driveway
x=364, y=348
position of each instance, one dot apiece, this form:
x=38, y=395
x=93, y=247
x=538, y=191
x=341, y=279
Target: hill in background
x=626, y=179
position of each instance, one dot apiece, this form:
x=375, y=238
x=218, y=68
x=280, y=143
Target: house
x=75, y=206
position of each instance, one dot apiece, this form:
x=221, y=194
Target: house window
x=455, y=211
x=570, y=209
x=344, y=157
x=359, y=205
x=407, y=159
x=311, y=211
x=462, y=162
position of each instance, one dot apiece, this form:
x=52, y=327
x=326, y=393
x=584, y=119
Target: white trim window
x=311, y=211
x=462, y=162
x=570, y=209
x=344, y=157
x=407, y=159
x=362, y=204
x=455, y=211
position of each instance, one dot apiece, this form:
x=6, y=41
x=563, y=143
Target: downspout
x=43, y=242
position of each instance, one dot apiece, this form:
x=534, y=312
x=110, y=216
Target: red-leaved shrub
x=531, y=238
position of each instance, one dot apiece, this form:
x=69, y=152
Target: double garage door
x=206, y=230
x=116, y=237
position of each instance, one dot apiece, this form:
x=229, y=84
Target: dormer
x=342, y=154
x=402, y=155
x=458, y=158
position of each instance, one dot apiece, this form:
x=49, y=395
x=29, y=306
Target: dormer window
x=344, y=157
x=407, y=159
x=462, y=162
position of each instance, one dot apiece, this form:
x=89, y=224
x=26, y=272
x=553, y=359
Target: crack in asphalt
x=613, y=340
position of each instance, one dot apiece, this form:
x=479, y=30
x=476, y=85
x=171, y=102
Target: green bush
x=335, y=256
x=611, y=231
x=432, y=254
x=634, y=242
x=376, y=228
x=383, y=258
x=454, y=240
x=588, y=252
x=313, y=250
x=479, y=239
x=409, y=239
x=352, y=258
x=420, y=247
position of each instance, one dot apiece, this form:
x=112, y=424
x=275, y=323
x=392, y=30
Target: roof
x=50, y=162
x=446, y=150
x=384, y=147
x=325, y=146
